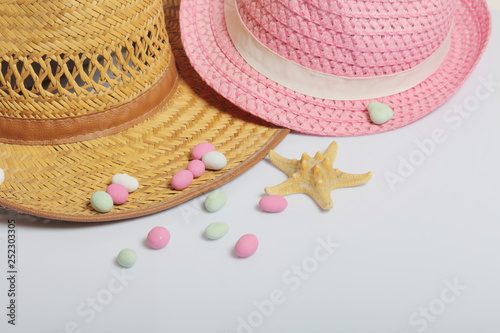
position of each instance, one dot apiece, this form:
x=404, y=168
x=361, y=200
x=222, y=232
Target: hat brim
x=57, y=181
x=212, y=53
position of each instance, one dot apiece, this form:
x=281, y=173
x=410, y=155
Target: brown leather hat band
x=91, y=126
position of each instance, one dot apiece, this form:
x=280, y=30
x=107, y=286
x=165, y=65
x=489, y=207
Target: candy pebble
x=101, y=201
x=196, y=167
x=214, y=160
x=201, y=149
x=215, y=200
x=246, y=245
x=379, y=112
x=273, y=203
x=129, y=182
x=182, y=179
x=216, y=230
x=158, y=237
x=118, y=193
x=127, y=258
x=2, y=176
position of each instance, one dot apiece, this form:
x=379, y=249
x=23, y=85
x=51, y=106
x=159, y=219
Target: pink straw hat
x=314, y=65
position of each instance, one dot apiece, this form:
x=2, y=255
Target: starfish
x=314, y=176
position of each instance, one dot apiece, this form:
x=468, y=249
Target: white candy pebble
x=214, y=160
x=2, y=176
x=129, y=182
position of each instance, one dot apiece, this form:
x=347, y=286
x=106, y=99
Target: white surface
x=494, y=4
x=400, y=251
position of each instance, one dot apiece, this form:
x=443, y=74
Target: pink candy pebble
x=158, y=238
x=182, y=179
x=201, y=149
x=273, y=203
x=246, y=245
x=196, y=167
x=118, y=193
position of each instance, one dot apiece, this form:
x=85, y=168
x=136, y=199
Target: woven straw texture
x=57, y=58
x=348, y=38
x=56, y=181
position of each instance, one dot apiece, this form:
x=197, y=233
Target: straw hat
x=90, y=89
x=313, y=65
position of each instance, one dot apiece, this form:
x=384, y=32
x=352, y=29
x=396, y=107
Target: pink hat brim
x=212, y=53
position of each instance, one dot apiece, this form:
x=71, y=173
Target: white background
x=494, y=4
x=422, y=256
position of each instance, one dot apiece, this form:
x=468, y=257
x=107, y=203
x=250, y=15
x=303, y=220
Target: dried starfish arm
x=286, y=165
x=293, y=186
x=331, y=152
x=345, y=179
x=289, y=186
x=322, y=198
x=314, y=176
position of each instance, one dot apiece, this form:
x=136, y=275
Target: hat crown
x=68, y=58
x=350, y=38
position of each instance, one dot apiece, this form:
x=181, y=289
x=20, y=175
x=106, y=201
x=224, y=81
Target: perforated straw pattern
x=57, y=181
x=61, y=59
x=211, y=51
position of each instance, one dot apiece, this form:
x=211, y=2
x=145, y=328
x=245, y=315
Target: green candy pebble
x=379, y=112
x=101, y=201
x=215, y=201
x=216, y=230
x=127, y=258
